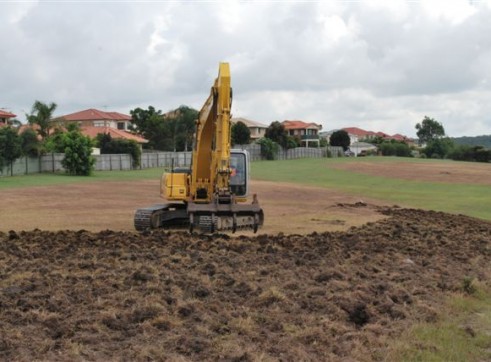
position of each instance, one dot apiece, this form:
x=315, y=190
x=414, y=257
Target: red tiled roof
x=119, y=116
x=300, y=125
x=398, y=137
x=4, y=114
x=357, y=131
x=95, y=115
x=362, y=133
x=35, y=128
x=115, y=133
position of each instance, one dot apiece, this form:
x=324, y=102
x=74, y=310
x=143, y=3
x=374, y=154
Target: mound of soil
x=173, y=296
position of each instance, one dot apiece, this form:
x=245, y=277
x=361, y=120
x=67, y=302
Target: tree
x=30, y=143
x=340, y=139
x=439, y=148
x=149, y=123
x=78, y=158
x=470, y=153
x=277, y=133
x=269, y=148
x=395, y=148
x=241, y=134
x=109, y=145
x=41, y=114
x=184, y=127
x=10, y=146
x=171, y=132
x=429, y=130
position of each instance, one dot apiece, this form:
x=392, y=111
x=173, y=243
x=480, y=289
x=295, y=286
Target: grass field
x=455, y=197
x=49, y=179
x=468, y=199
x=460, y=333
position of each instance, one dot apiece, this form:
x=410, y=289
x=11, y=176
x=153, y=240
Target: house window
x=121, y=125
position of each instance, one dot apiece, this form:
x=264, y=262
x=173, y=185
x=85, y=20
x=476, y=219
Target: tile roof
x=95, y=115
x=300, y=125
x=357, y=131
x=362, y=133
x=399, y=137
x=35, y=128
x=4, y=114
x=114, y=132
x=248, y=122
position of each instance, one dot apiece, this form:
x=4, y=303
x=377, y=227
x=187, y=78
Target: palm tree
x=41, y=114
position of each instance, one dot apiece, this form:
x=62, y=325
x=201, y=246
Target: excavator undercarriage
x=202, y=217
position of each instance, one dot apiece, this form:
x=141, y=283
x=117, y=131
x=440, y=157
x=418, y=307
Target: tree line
x=43, y=138
x=438, y=145
x=174, y=131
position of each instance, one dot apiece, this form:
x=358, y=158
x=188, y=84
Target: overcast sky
x=377, y=65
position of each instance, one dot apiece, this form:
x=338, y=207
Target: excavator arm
x=211, y=155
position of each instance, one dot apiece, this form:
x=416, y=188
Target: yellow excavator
x=212, y=194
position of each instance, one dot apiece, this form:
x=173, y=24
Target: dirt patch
x=80, y=295
x=111, y=205
x=451, y=172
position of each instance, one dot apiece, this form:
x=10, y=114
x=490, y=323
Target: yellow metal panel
x=175, y=186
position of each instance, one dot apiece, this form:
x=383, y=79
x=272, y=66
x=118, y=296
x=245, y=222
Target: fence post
x=53, y=161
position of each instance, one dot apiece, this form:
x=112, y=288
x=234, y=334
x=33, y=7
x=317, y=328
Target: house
x=36, y=128
x=93, y=122
x=5, y=117
x=96, y=118
x=357, y=134
x=115, y=133
x=308, y=133
x=258, y=130
x=361, y=147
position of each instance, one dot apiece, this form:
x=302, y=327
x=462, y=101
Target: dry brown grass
x=177, y=297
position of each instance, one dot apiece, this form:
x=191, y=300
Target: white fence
x=52, y=162
x=293, y=153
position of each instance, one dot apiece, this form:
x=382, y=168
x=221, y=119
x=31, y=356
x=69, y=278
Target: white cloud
x=454, y=11
x=381, y=65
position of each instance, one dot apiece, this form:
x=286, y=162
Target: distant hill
x=484, y=141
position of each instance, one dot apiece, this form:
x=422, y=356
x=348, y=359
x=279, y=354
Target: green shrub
x=395, y=148
x=109, y=145
x=269, y=149
x=441, y=147
x=470, y=153
x=78, y=158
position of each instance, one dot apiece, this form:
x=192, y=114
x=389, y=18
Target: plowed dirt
x=80, y=295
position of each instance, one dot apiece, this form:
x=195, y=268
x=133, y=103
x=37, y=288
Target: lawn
x=468, y=199
x=49, y=179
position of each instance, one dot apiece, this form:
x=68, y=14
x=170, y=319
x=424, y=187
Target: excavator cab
x=239, y=173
